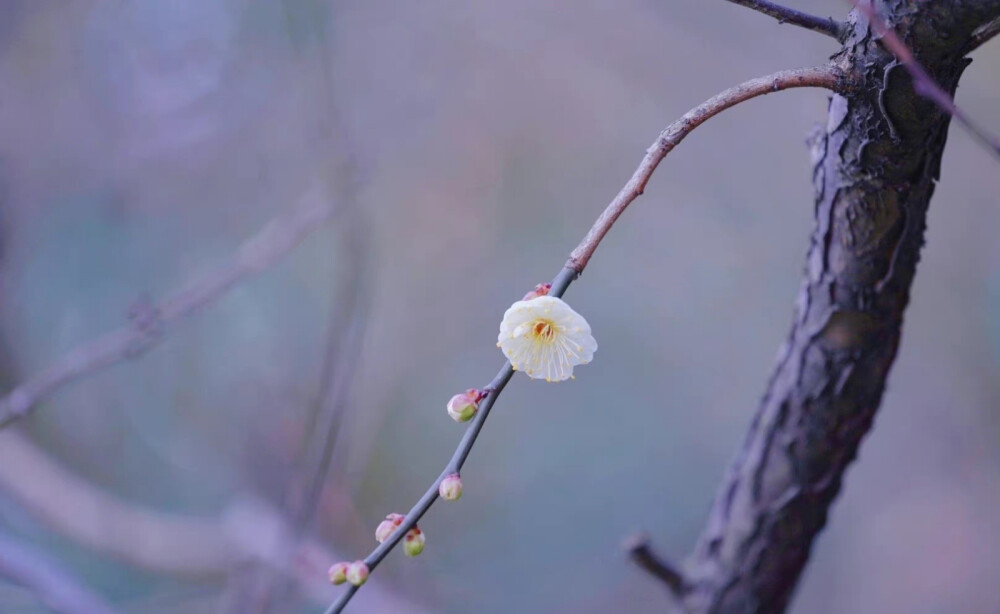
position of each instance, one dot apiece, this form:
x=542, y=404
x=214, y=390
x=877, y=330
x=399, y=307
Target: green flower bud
x=338, y=572
x=413, y=543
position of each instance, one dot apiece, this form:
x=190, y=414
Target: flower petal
x=545, y=338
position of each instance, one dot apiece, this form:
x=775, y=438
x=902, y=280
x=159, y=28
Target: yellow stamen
x=543, y=330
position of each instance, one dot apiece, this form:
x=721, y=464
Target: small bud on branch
x=357, y=573
x=338, y=572
x=450, y=488
x=388, y=526
x=463, y=406
x=413, y=543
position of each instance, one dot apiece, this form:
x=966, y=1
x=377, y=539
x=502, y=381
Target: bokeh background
x=465, y=148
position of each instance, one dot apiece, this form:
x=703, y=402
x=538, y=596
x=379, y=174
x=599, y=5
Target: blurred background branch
x=258, y=589
x=249, y=531
x=276, y=239
x=51, y=584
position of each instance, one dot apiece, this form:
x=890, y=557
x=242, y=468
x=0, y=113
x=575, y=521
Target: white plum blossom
x=545, y=338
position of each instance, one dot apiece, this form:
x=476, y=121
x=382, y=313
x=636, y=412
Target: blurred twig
x=247, y=532
x=983, y=34
x=167, y=543
x=50, y=583
x=258, y=591
x=784, y=14
x=344, y=334
x=827, y=77
x=641, y=553
x=923, y=83
x=275, y=240
x=348, y=317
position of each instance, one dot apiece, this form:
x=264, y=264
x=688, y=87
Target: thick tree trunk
x=875, y=166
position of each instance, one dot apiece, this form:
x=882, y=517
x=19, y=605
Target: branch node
x=641, y=552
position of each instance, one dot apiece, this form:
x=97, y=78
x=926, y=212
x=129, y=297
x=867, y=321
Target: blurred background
x=459, y=150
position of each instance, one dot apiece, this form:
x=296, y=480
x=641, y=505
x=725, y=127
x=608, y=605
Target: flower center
x=543, y=330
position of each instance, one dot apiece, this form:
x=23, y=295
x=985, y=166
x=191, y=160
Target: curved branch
x=825, y=76
x=274, y=241
x=161, y=542
x=822, y=76
x=50, y=583
x=983, y=34
x=823, y=25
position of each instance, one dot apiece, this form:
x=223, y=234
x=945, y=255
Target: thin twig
x=825, y=25
x=272, y=242
x=923, y=83
x=345, y=330
x=49, y=582
x=826, y=76
x=345, y=327
x=642, y=554
x=983, y=34
x=823, y=76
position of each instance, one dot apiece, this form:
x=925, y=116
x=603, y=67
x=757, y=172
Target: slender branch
x=826, y=76
x=274, y=241
x=983, y=34
x=825, y=25
x=49, y=582
x=822, y=76
x=923, y=83
x=641, y=552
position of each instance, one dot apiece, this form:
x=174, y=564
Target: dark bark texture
x=875, y=164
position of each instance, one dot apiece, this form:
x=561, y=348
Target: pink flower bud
x=388, y=526
x=450, y=488
x=413, y=543
x=540, y=290
x=462, y=407
x=338, y=572
x=357, y=573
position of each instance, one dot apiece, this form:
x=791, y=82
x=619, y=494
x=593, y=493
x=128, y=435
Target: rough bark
x=875, y=166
